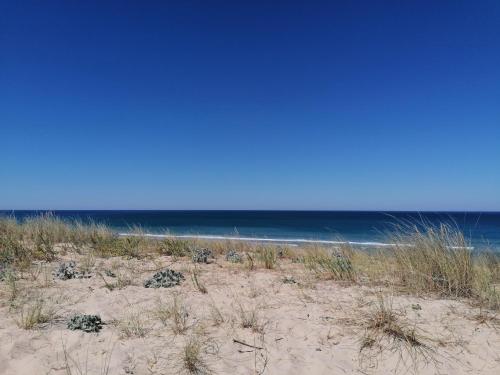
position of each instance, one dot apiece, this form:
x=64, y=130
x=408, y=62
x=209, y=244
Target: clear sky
x=250, y=105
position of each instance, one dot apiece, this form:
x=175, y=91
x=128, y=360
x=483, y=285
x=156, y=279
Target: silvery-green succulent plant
x=87, y=323
x=164, y=279
x=233, y=257
x=202, y=255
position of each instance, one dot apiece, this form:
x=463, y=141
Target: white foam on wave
x=290, y=241
x=259, y=239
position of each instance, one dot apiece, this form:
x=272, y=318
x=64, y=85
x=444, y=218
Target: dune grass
x=195, y=277
x=385, y=329
x=249, y=318
x=174, y=314
x=423, y=258
x=135, y=323
x=434, y=259
x=334, y=264
x=486, y=280
x=174, y=247
x=193, y=359
x=35, y=312
x=74, y=366
x=267, y=256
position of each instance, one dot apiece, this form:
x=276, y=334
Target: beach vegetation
x=420, y=259
x=179, y=315
x=120, y=280
x=173, y=314
x=174, y=247
x=386, y=329
x=134, y=324
x=432, y=258
x=249, y=318
x=267, y=256
x=35, y=312
x=249, y=262
x=73, y=365
x=334, y=264
x=197, y=282
x=216, y=314
x=486, y=280
x=192, y=357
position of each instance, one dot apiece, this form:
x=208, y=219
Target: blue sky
x=250, y=105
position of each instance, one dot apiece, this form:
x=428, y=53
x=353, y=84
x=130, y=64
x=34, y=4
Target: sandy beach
x=227, y=318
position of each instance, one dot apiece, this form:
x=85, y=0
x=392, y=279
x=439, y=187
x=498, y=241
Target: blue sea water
x=362, y=227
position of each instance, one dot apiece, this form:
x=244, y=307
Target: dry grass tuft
x=267, y=256
x=135, y=323
x=249, y=262
x=174, y=247
x=73, y=366
x=216, y=315
x=179, y=316
x=334, y=264
x=486, y=280
x=174, y=314
x=35, y=313
x=197, y=282
x=435, y=259
x=249, y=318
x=487, y=318
x=87, y=263
x=12, y=288
x=121, y=280
x=193, y=357
x=386, y=330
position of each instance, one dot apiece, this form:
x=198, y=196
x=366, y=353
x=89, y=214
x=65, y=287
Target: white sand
x=313, y=327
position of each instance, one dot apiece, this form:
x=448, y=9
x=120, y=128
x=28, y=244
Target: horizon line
x=254, y=210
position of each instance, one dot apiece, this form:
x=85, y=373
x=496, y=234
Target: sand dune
x=303, y=325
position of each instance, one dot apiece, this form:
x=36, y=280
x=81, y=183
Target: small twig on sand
x=244, y=343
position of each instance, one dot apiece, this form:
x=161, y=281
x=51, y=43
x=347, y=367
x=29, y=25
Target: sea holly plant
x=86, y=323
x=202, y=255
x=233, y=257
x=164, y=279
x=4, y=270
x=68, y=270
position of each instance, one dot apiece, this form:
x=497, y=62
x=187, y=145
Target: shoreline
x=287, y=241
x=359, y=228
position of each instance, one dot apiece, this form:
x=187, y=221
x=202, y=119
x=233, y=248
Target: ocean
x=363, y=228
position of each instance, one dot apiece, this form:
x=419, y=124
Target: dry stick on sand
x=245, y=344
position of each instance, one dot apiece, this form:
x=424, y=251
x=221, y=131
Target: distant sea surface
x=365, y=228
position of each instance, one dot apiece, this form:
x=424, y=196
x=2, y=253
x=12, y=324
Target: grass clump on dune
x=385, y=329
x=134, y=324
x=34, y=239
x=12, y=249
x=267, y=255
x=437, y=259
x=193, y=357
x=36, y=312
x=174, y=247
x=335, y=264
x=486, y=280
x=174, y=314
